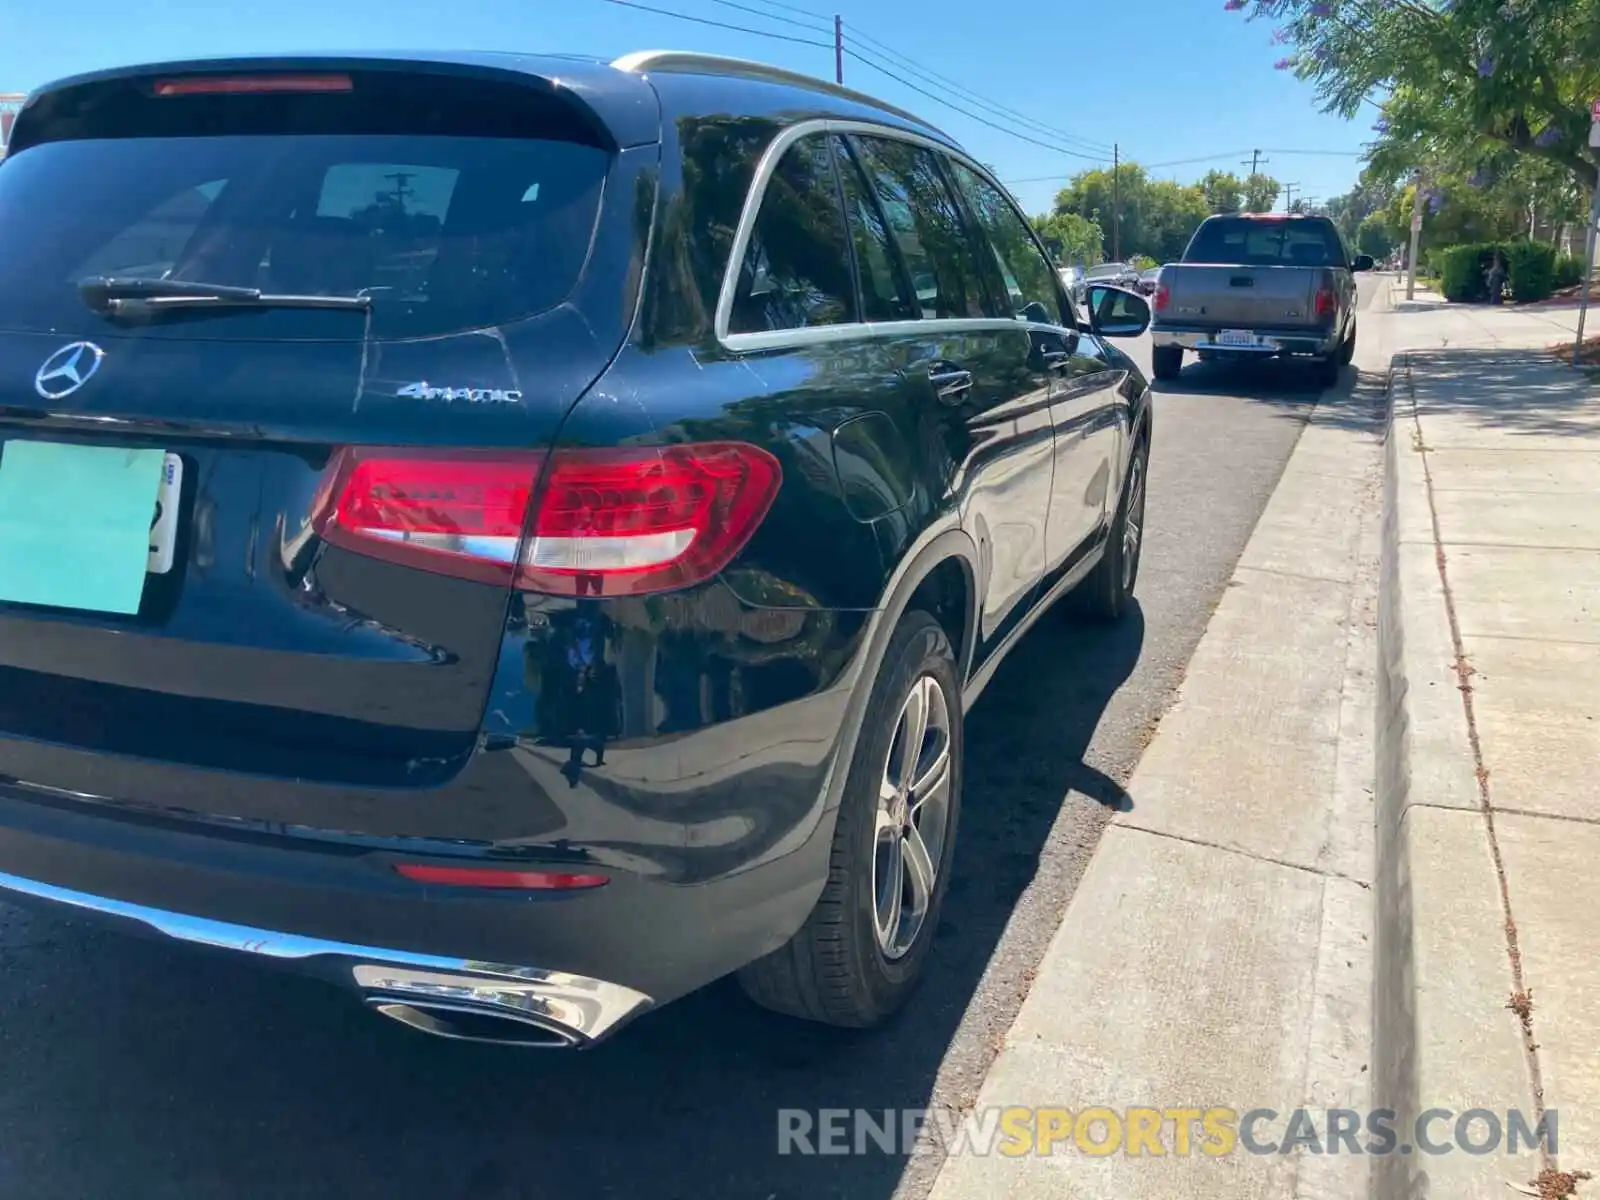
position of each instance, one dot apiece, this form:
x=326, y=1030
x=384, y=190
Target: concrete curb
x=1442, y=1034
x=1394, y=1016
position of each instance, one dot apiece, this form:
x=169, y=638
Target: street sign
x=1594, y=111
x=1594, y=126
x=1416, y=222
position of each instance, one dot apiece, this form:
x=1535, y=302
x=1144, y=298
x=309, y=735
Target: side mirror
x=1115, y=313
x=1038, y=314
x=1363, y=263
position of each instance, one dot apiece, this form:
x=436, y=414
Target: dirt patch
x=1558, y=1185
x=1588, y=356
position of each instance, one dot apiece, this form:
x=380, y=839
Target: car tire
x=1347, y=351
x=1167, y=362
x=860, y=953
x=1107, y=592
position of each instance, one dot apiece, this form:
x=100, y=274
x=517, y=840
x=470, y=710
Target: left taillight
x=601, y=523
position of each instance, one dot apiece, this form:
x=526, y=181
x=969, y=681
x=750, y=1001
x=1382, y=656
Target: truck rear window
x=444, y=232
x=1267, y=243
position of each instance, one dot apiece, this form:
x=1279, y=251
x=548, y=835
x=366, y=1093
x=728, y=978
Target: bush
x=1532, y=270
x=1569, y=271
x=1461, y=271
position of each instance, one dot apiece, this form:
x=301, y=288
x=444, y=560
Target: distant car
x=1149, y=280
x=1072, y=279
x=1116, y=274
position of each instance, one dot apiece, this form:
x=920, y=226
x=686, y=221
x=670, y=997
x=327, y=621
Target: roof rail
x=716, y=64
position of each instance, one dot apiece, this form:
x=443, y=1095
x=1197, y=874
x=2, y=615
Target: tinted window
x=1029, y=278
x=1267, y=243
x=884, y=294
x=939, y=251
x=796, y=269
x=444, y=233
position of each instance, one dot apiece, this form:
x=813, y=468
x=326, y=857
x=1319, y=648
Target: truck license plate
x=1236, y=337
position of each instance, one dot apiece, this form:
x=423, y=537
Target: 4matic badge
x=459, y=395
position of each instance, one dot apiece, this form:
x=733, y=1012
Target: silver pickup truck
x=1254, y=285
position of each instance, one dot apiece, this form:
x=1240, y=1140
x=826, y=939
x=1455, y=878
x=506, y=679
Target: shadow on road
x=140, y=1070
x=1289, y=386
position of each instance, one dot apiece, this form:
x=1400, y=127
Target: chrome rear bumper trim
x=585, y=1009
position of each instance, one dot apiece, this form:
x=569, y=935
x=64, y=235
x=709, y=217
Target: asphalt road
x=131, y=1069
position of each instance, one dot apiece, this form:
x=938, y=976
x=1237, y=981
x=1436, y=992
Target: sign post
x=1588, y=236
x=1416, y=238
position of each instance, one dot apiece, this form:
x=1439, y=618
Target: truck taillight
x=1162, y=298
x=1327, y=301
x=603, y=522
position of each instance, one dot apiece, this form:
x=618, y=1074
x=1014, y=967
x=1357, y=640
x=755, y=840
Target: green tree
x=1157, y=217
x=1458, y=79
x=1261, y=193
x=1372, y=237
x=1223, y=191
x=1074, y=239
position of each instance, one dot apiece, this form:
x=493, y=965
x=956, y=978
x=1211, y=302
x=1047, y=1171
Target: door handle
x=1054, y=360
x=951, y=384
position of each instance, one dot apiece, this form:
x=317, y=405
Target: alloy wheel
x=913, y=817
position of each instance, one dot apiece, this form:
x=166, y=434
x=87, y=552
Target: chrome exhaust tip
x=508, y=1006
x=462, y=1024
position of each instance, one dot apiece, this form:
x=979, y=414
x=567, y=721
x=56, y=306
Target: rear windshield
x=444, y=233
x=1257, y=243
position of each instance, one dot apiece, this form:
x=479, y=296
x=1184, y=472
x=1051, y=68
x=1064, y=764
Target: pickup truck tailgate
x=1243, y=297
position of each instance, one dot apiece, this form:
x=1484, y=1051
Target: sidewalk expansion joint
x=1243, y=853
x=1282, y=574
x=1521, y=996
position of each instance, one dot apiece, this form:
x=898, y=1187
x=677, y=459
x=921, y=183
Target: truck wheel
x=1167, y=361
x=1326, y=369
x=1347, y=352
x=860, y=953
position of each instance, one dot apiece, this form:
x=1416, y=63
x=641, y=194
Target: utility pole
x=838, y=48
x=1116, y=203
x=1416, y=237
x=1591, y=233
x=1288, y=196
x=1255, y=161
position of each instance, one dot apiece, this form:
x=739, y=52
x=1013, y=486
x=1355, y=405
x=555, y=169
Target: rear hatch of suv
x=240, y=311
x=1255, y=272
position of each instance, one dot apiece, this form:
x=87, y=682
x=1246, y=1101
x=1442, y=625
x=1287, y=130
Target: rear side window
x=1267, y=243
x=938, y=249
x=796, y=269
x=444, y=232
x=884, y=294
x=1029, y=278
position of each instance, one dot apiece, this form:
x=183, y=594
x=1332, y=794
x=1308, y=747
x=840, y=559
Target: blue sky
x=1167, y=80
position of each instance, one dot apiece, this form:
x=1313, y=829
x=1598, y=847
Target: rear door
x=1084, y=405
x=165, y=473
x=984, y=385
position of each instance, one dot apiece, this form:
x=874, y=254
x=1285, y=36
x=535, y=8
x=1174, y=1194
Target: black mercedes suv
x=517, y=536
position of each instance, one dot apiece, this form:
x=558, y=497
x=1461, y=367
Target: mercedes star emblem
x=67, y=370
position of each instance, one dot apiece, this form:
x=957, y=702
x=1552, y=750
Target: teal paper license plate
x=75, y=524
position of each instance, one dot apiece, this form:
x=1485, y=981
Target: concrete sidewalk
x=1489, y=732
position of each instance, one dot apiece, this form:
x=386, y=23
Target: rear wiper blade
x=134, y=295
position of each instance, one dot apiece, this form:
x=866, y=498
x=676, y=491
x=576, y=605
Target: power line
x=1201, y=158
x=665, y=12
x=772, y=16
x=937, y=99
x=804, y=12
x=929, y=75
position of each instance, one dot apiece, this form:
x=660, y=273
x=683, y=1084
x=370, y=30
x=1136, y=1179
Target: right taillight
x=602, y=522
x=1162, y=297
x=1327, y=301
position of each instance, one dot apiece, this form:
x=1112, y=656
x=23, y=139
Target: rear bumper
x=547, y=1007
x=1281, y=341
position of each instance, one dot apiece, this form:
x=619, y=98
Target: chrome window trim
x=814, y=335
